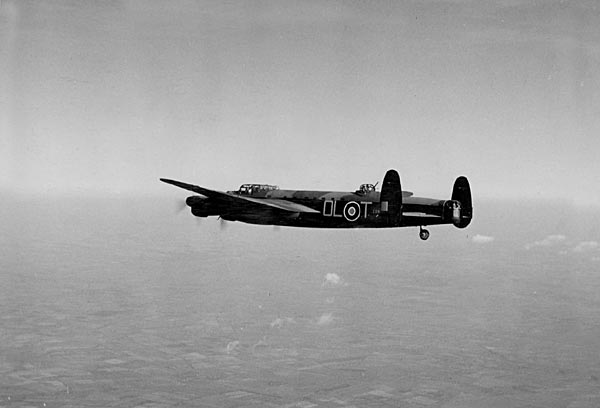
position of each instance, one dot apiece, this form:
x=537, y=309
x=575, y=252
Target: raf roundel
x=352, y=211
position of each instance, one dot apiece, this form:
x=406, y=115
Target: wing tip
x=169, y=181
x=178, y=184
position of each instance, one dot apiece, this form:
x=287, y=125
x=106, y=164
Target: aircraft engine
x=192, y=201
x=201, y=207
x=199, y=212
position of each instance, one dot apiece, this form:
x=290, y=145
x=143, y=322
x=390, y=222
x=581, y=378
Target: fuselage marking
x=350, y=210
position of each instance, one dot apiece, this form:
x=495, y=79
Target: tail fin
x=391, y=197
x=462, y=193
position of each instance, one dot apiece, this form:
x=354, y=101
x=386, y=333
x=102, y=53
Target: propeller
x=180, y=205
x=222, y=223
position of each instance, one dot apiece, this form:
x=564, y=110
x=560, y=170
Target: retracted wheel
x=423, y=234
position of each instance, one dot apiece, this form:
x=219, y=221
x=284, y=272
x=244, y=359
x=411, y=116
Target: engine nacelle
x=193, y=201
x=201, y=206
x=200, y=212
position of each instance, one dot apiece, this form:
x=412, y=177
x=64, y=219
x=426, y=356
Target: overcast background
x=108, y=297
x=105, y=97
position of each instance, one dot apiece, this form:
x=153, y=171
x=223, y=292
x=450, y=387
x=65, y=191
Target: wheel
x=424, y=234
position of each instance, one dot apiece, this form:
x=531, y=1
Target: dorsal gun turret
x=366, y=188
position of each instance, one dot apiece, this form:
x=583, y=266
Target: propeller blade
x=180, y=206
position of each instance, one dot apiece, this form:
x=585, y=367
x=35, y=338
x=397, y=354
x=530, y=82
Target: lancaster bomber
x=364, y=208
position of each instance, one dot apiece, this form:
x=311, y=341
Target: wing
x=227, y=198
x=282, y=205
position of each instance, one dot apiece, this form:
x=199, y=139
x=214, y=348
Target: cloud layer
x=280, y=322
x=559, y=240
x=332, y=279
x=550, y=240
x=586, y=246
x=482, y=239
x=325, y=319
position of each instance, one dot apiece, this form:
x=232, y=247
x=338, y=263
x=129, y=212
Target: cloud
x=550, y=240
x=332, y=279
x=261, y=343
x=232, y=345
x=325, y=319
x=586, y=246
x=279, y=322
x=482, y=239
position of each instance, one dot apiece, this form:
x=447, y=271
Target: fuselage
x=337, y=209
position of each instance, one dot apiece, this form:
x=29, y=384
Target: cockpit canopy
x=249, y=189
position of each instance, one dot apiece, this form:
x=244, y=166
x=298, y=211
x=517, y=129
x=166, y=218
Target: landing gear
x=423, y=234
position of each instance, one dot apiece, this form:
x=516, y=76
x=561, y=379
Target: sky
x=106, y=97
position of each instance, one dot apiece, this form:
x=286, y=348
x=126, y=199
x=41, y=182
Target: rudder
x=391, y=197
x=461, y=192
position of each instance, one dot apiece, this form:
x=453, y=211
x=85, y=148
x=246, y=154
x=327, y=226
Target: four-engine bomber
x=364, y=208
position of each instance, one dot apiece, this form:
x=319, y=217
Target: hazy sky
x=107, y=96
